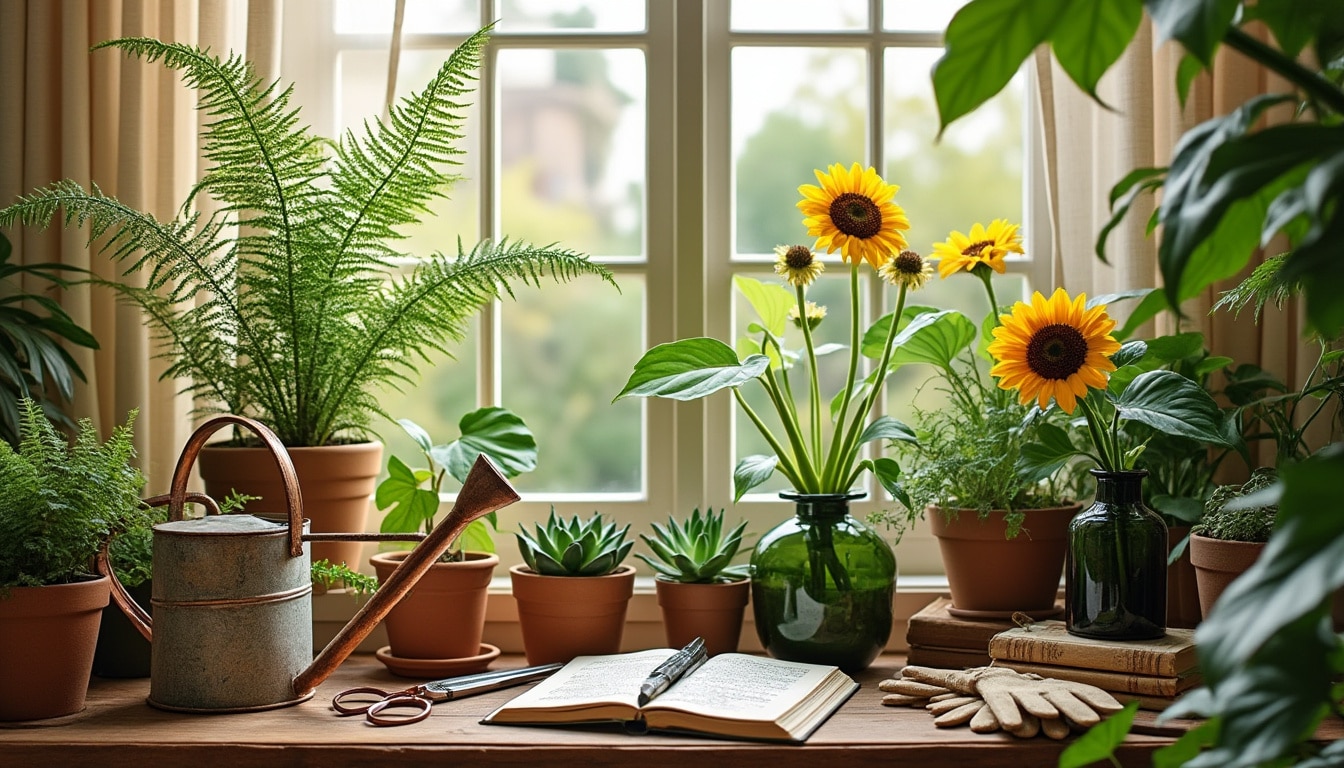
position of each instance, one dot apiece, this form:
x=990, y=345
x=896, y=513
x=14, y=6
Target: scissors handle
x=421, y=704
x=359, y=709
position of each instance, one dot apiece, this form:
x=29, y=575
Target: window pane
x=572, y=148
x=973, y=175
x=919, y=15
x=832, y=292
x=794, y=110
x=363, y=85
x=422, y=16
x=552, y=15
x=799, y=15
x=566, y=350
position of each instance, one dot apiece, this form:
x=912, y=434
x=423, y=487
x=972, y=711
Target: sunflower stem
x=786, y=465
x=814, y=395
x=1099, y=440
x=783, y=365
x=789, y=417
x=832, y=469
x=986, y=276
x=851, y=447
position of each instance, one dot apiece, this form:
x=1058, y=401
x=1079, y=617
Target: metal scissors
x=373, y=702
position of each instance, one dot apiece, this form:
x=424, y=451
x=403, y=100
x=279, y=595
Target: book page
x=743, y=687
x=591, y=679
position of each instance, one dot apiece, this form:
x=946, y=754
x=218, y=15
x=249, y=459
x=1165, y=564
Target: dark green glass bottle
x=1115, y=577
x=822, y=584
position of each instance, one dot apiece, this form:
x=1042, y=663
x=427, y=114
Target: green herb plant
x=328, y=574
x=697, y=551
x=411, y=496
x=297, y=321
x=59, y=502
x=574, y=547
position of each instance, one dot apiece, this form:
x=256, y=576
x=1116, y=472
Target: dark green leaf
x=888, y=428
x=1111, y=298
x=1187, y=746
x=1293, y=22
x=1171, y=403
x=888, y=474
x=1186, y=72
x=1101, y=740
x=417, y=433
x=496, y=432
x=691, y=369
x=1130, y=352
x=1170, y=349
x=1212, y=363
x=751, y=472
x=1090, y=37
x=1198, y=24
x=1147, y=309
x=1046, y=455
x=1182, y=508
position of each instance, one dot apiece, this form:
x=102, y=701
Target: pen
x=676, y=667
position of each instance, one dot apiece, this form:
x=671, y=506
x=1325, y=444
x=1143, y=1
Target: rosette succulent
x=696, y=552
x=574, y=547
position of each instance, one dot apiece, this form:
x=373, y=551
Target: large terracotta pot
x=992, y=576
x=1217, y=563
x=1182, y=584
x=566, y=616
x=443, y=616
x=336, y=482
x=47, y=637
x=710, y=611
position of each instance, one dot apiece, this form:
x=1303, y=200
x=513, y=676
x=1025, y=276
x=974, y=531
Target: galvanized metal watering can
x=232, y=628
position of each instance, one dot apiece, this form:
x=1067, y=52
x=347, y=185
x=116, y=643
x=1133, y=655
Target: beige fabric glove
x=1009, y=696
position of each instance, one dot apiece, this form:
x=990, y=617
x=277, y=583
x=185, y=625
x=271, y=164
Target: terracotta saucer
x=1045, y=613
x=434, y=668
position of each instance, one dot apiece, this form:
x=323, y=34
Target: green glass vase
x=822, y=585
x=1115, y=577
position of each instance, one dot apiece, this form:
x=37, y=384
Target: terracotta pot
x=1182, y=588
x=566, y=616
x=336, y=482
x=122, y=651
x=1217, y=563
x=443, y=616
x=991, y=576
x=711, y=611
x=47, y=637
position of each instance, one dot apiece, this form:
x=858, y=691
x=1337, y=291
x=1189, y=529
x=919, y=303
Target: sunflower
x=853, y=211
x=797, y=265
x=1054, y=348
x=906, y=268
x=984, y=245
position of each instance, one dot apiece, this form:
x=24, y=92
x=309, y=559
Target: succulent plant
x=574, y=547
x=697, y=552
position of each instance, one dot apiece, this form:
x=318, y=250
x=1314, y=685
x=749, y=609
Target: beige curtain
x=1089, y=148
x=131, y=128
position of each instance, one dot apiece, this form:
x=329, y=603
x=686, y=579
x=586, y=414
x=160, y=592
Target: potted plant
x=436, y=629
x=298, y=321
x=572, y=589
x=701, y=593
x=1230, y=537
x=58, y=505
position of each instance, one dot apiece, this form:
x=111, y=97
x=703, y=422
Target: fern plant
x=298, y=318
x=59, y=502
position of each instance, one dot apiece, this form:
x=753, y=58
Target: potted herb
x=58, y=505
x=701, y=593
x=437, y=628
x=298, y=322
x=1230, y=536
x=572, y=589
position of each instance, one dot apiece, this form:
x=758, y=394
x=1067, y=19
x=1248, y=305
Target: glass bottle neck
x=821, y=507
x=1119, y=487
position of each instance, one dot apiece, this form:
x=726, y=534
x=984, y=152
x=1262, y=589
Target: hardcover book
x=731, y=695
x=933, y=627
x=1148, y=685
x=1047, y=642
x=946, y=658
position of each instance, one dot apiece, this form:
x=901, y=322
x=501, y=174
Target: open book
x=732, y=695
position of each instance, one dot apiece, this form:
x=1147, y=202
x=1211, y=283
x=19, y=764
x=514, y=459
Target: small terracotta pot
x=992, y=576
x=443, y=616
x=566, y=616
x=336, y=482
x=47, y=637
x=1217, y=563
x=711, y=611
x=1182, y=584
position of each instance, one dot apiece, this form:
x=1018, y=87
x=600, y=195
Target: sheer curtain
x=1088, y=149
x=130, y=128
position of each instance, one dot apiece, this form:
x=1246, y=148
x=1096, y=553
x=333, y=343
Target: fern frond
x=1265, y=284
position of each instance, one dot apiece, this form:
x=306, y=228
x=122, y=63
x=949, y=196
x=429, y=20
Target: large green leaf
x=691, y=369
x=1293, y=22
x=496, y=432
x=417, y=433
x=935, y=338
x=751, y=472
x=1314, y=263
x=876, y=335
x=1044, y=456
x=1151, y=306
x=986, y=43
x=771, y=302
x=1101, y=740
x=410, y=505
x=1169, y=349
x=888, y=428
x=1171, y=403
x=1090, y=37
x=888, y=474
x=1198, y=24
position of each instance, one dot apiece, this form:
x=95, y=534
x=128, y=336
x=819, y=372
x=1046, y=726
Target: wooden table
x=119, y=729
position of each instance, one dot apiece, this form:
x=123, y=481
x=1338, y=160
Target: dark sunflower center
x=798, y=257
x=856, y=215
x=909, y=263
x=974, y=249
x=1057, y=351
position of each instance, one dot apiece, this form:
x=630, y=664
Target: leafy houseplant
x=1266, y=655
x=572, y=589
x=700, y=592
x=32, y=363
x=299, y=320
x=58, y=504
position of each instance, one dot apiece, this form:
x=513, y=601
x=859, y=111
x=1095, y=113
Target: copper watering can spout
x=196, y=665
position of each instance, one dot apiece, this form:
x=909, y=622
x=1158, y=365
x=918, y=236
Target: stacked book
x=939, y=639
x=1153, y=672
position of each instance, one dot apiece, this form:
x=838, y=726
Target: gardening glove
x=1015, y=698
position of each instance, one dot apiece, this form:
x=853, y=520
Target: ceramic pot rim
x=366, y=445
x=475, y=559
x=938, y=509
x=660, y=579
x=621, y=571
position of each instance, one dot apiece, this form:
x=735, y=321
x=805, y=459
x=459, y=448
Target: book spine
x=1110, y=681
x=1135, y=661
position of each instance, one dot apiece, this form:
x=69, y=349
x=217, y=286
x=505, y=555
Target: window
x=667, y=139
